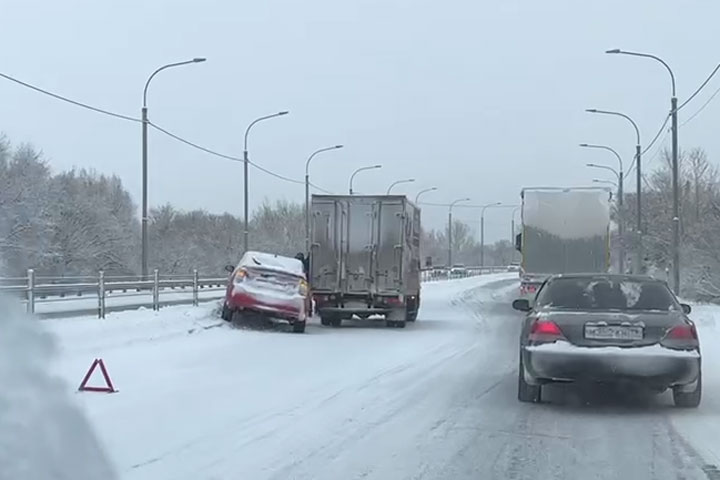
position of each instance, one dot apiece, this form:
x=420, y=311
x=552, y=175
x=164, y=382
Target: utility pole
x=450, y=225
x=675, y=169
x=307, y=193
x=676, y=196
x=144, y=111
x=638, y=260
x=246, y=162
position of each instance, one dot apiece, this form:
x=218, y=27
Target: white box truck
x=365, y=258
x=564, y=230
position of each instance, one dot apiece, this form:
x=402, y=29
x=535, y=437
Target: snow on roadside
x=194, y=392
x=693, y=423
x=43, y=434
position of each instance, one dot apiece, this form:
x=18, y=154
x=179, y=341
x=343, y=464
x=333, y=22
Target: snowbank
x=43, y=435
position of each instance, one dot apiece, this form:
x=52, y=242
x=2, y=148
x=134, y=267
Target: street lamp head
x=339, y=146
x=199, y=59
x=584, y=145
x=592, y=165
x=376, y=166
x=614, y=50
x=282, y=113
x=591, y=110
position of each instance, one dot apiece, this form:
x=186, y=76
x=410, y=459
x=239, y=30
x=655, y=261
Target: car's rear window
x=606, y=294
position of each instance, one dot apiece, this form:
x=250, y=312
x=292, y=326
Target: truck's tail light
x=545, y=331
x=681, y=337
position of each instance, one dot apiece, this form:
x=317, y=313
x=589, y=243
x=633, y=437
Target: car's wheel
x=688, y=399
x=298, y=327
x=336, y=322
x=526, y=392
x=226, y=314
x=325, y=321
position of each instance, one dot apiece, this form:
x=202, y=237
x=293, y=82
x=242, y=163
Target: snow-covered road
x=437, y=400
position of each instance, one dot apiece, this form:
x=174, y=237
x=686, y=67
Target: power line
x=68, y=100
x=230, y=157
x=701, y=108
x=157, y=127
x=700, y=88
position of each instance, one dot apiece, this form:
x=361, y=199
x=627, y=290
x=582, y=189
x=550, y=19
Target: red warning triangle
x=109, y=386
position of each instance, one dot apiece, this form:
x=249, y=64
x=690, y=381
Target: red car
x=270, y=285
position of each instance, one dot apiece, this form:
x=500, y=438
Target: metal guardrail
x=437, y=274
x=102, y=294
x=125, y=292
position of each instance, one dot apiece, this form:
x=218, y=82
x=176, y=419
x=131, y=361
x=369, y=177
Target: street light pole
x=638, y=187
x=675, y=186
x=144, y=112
x=246, y=162
x=307, y=193
x=606, y=182
x=422, y=192
x=408, y=180
x=361, y=169
x=450, y=228
x=482, y=230
x=621, y=213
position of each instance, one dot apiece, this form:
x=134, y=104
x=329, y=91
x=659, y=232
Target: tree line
x=79, y=221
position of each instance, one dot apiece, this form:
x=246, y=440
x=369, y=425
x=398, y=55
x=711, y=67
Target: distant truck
x=365, y=258
x=564, y=230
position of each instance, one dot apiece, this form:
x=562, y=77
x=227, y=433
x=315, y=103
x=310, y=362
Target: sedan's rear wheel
x=688, y=399
x=526, y=392
x=226, y=313
x=299, y=327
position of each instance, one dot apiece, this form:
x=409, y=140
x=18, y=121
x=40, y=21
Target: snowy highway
x=437, y=400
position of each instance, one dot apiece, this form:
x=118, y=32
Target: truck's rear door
x=389, y=240
x=358, y=245
x=327, y=218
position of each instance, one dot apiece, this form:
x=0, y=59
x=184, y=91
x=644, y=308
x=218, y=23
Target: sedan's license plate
x=613, y=332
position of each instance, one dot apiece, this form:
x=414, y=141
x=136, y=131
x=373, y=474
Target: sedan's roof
x=614, y=277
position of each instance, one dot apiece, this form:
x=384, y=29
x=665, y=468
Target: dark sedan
x=608, y=329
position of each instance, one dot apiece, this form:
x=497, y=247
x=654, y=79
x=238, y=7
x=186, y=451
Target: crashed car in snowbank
x=270, y=285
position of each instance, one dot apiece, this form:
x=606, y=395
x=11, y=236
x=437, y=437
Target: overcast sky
x=478, y=98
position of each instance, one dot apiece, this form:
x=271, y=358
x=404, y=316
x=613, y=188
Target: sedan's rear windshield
x=606, y=294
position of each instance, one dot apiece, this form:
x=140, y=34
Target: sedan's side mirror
x=522, y=305
x=229, y=268
x=686, y=308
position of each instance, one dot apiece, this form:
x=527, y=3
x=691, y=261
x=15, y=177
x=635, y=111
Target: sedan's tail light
x=545, y=331
x=241, y=275
x=681, y=337
x=303, y=288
